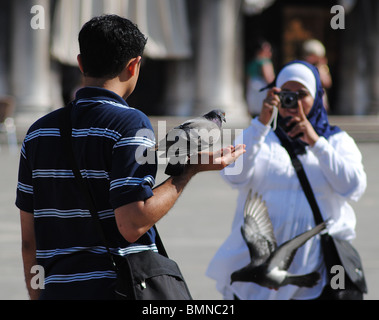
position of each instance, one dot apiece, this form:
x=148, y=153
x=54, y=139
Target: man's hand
x=216, y=161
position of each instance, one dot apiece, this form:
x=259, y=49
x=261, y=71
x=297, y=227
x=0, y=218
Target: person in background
x=260, y=72
x=333, y=164
x=313, y=51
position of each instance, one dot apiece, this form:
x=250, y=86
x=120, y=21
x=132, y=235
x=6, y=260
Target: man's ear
x=133, y=66
x=80, y=63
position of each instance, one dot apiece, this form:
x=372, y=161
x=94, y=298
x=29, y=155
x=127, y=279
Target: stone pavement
x=193, y=230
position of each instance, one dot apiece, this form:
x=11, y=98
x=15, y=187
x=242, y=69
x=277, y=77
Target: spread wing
x=286, y=252
x=257, y=229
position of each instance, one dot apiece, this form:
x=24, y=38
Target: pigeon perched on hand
x=190, y=138
x=269, y=263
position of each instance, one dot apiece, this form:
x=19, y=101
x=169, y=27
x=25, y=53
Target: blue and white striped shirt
x=106, y=134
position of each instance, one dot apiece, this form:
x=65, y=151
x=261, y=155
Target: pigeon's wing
x=202, y=133
x=190, y=137
x=284, y=255
x=175, y=143
x=257, y=229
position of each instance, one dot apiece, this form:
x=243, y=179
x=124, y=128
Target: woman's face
x=305, y=99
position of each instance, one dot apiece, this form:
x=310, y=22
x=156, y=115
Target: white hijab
x=300, y=73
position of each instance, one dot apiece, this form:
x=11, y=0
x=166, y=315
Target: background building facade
x=197, y=52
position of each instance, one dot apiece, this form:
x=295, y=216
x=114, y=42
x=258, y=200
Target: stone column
x=30, y=61
x=359, y=73
x=179, y=88
x=373, y=56
x=219, y=71
x=4, y=47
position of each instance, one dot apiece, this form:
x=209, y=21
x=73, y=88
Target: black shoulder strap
x=66, y=134
x=304, y=182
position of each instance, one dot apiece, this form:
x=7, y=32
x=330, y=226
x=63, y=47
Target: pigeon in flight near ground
x=189, y=138
x=269, y=263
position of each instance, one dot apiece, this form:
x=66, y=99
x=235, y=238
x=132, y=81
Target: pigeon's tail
x=176, y=165
x=308, y=280
x=174, y=169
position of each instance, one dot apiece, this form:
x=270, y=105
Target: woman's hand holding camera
x=272, y=100
x=302, y=128
x=299, y=124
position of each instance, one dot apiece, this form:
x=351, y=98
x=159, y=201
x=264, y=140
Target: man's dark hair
x=107, y=43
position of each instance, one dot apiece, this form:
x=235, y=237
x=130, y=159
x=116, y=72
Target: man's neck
x=113, y=85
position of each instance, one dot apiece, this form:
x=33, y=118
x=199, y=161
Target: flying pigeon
x=189, y=138
x=269, y=263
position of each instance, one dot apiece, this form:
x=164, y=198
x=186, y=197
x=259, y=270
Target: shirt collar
x=99, y=94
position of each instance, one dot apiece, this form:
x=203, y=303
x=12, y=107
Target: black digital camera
x=289, y=100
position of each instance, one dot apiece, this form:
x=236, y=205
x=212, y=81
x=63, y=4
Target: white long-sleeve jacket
x=336, y=174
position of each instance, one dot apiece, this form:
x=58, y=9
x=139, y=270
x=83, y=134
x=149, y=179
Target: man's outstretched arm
x=135, y=219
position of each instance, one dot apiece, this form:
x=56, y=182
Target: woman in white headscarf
x=333, y=164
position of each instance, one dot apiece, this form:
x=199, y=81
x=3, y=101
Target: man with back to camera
x=56, y=225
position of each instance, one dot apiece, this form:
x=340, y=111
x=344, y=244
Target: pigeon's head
x=217, y=116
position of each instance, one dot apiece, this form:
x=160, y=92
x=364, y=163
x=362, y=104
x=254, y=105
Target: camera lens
x=289, y=100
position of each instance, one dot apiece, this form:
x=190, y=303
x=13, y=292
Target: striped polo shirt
x=106, y=135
